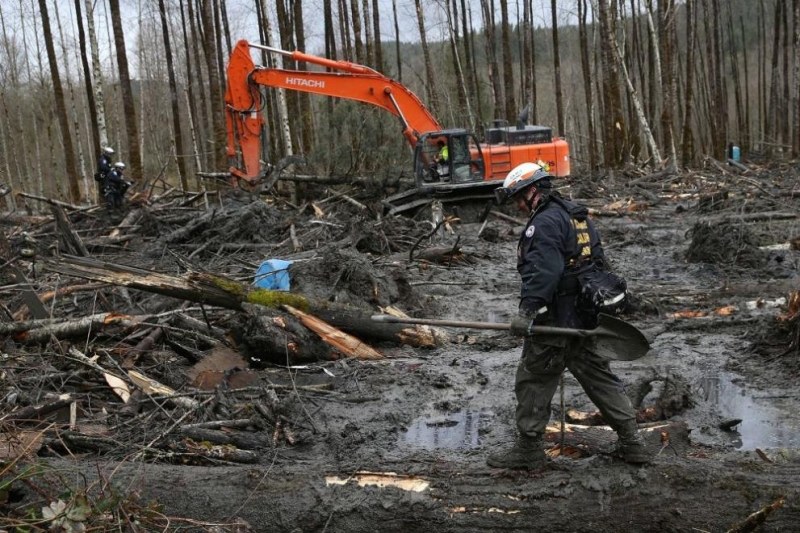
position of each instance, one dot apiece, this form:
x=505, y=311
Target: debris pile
x=727, y=243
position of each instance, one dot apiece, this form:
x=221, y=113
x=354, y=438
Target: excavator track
x=467, y=199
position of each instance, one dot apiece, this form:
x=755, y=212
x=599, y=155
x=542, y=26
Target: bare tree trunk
x=774, y=94
x=720, y=90
x=344, y=29
x=203, y=122
x=273, y=141
x=43, y=117
x=668, y=78
x=376, y=30
x=217, y=103
x=762, y=72
x=786, y=108
x=463, y=98
x=469, y=49
x=397, y=41
x=87, y=76
x=82, y=175
x=526, y=35
x=587, y=83
x=487, y=11
x=304, y=99
x=614, y=129
x=189, y=92
x=796, y=93
x=128, y=106
x=657, y=83
x=737, y=87
x=635, y=101
x=16, y=175
x=368, y=57
x=283, y=107
x=290, y=98
x=508, y=66
x=216, y=7
x=557, y=69
x=687, y=144
x=430, y=81
x=173, y=93
x=61, y=109
x=359, y=45
x=747, y=132
x=330, y=34
x=223, y=8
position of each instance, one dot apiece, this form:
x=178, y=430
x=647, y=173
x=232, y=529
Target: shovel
x=612, y=339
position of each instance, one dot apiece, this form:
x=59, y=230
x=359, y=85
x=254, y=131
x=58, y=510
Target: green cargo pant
x=538, y=376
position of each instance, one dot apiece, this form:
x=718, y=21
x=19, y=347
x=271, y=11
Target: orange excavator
x=449, y=164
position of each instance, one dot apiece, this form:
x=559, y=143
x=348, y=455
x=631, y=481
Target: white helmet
x=520, y=178
x=119, y=165
x=108, y=150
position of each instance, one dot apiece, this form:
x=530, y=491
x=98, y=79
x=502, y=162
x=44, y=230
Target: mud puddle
x=454, y=431
x=766, y=422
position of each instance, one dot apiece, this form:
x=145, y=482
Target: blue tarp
x=273, y=274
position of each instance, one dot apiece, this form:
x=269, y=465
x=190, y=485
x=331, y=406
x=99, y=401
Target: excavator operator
x=558, y=236
x=441, y=167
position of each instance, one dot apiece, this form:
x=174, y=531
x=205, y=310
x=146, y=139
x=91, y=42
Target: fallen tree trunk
x=196, y=287
x=36, y=331
x=224, y=292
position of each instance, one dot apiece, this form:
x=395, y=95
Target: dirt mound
x=779, y=342
x=726, y=243
x=346, y=276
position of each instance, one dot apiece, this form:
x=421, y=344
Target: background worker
x=557, y=239
x=442, y=159
x=104, y=163
x=115, y=186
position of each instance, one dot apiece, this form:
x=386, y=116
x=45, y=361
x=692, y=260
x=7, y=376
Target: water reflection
x=764, y=424
x=452, y=431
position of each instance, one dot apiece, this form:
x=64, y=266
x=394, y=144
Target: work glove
x=522, y=326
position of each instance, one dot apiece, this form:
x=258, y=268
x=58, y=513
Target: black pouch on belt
x=603, y=291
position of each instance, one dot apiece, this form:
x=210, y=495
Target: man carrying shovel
x=558, y=241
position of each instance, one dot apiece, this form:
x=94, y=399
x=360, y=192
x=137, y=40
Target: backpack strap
x=578, y=219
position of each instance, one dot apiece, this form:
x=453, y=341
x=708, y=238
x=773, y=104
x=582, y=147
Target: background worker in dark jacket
x=115, y=186
x=558, y=239
x=104, y=163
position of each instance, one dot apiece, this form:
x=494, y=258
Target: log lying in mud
x=195, y=287
x=342, y=342
x=36, y=331
x=223, y=292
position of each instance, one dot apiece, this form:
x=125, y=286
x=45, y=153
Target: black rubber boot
x=630, y=447
x=527, y=453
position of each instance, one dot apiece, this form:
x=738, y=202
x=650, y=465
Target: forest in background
x=659, y=84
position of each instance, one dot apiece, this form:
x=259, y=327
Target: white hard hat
x=120, y=165
x=108, y=150
x=520, y=178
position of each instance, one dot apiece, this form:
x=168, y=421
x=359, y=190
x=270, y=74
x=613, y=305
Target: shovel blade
x=616, y=340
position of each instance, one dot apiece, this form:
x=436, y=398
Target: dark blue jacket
x=544, y=252
x=104, y=164
x=114, y=180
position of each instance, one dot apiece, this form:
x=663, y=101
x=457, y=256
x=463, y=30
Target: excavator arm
x=348, y=81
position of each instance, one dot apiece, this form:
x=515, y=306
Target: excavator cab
x=462, y=164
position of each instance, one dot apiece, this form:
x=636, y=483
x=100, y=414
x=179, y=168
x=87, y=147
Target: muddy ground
x=399, y=444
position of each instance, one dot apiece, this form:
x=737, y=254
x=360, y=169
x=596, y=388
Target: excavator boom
x=351, y=82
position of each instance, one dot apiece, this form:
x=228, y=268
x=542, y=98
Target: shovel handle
x=538, y=330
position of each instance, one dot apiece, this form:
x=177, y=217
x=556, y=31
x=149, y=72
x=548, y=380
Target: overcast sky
x=242, y=19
